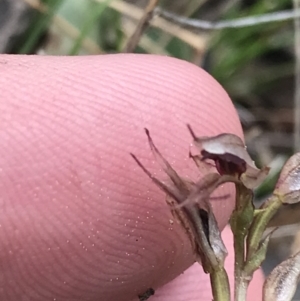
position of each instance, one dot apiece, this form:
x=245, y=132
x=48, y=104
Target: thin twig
x=145, y=42
x=236, y=23
x=195, y=40
x=189, y=9
x=141, y=27
x=297, y=80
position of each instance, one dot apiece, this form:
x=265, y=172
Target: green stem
x=240, y=222
x=260, y=223
x=241, y=287
x=220, y=285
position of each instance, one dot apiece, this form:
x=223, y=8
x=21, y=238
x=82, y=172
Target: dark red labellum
x=226, y=163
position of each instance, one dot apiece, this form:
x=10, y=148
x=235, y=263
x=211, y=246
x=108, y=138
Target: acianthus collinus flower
x=190, y=204
x=231, y=157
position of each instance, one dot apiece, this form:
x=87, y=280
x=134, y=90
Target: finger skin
x=79, y=219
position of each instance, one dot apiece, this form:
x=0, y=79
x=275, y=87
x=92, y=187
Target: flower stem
x=241, y=286
x=240, y=222
x=220, y=285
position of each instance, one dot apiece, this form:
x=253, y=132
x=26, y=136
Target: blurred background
x=255, y=64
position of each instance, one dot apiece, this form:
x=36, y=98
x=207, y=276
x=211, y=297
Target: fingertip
x=69, y=125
